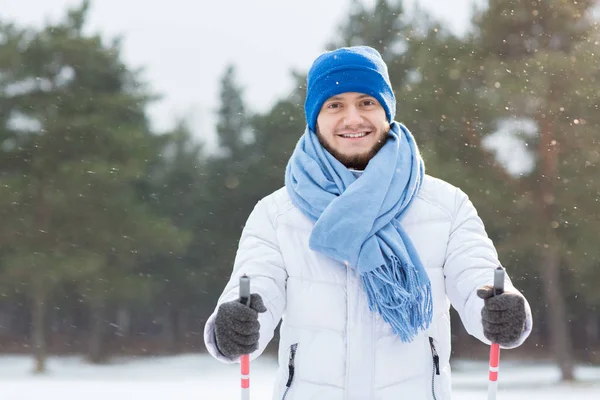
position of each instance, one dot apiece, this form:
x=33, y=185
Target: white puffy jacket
x=337, y=347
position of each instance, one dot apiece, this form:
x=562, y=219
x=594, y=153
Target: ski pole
x=495, y=347
x=245, y=358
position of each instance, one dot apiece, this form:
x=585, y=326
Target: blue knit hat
x=348, y=69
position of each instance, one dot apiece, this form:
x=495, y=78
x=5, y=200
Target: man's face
x=353, y=127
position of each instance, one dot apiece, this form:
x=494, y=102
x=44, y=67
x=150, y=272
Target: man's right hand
x=237, y=327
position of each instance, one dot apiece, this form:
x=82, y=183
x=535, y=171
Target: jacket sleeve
x=259, y=257
x=470, y=262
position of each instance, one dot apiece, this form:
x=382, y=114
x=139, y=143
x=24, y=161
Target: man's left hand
x=503, y=316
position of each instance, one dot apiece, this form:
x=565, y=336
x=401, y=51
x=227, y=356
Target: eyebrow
x=362, y=96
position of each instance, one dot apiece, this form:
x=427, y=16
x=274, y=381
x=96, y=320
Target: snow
x=197, y=376
x=510, y=147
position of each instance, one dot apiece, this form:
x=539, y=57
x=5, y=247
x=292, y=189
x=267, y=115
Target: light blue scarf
x=357, y=222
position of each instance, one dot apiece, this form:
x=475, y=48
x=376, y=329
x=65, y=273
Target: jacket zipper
x=291, y=368
x=436, y=366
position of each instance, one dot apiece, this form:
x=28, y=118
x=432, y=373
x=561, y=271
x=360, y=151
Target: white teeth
x=355, y=135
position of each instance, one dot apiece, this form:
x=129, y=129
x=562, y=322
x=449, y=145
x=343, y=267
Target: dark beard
x=356, y=161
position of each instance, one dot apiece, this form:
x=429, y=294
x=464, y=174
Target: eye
x=369, y=102
x=333, y=105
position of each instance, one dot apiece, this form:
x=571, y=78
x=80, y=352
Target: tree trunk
x=171, y=329
x=98, y=327
x=183, y=322
x=183, y=327
x=591, y=335
x=123, y=321
x=39, y=324
x=560, y=338
x=548, y=153
x=39, y=280
x=6, y=320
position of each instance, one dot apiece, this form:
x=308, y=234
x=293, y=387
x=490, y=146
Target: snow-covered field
x=200, y=377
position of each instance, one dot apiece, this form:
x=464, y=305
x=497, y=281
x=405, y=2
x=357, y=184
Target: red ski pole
x=495, y=347
x=245, y=359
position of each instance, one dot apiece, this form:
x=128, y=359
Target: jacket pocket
x=291, y=369
x=435, y=367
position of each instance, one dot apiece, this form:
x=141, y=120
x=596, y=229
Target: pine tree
x=232, y=122
x=78, y=140
x=540, y=64
x=228, y=192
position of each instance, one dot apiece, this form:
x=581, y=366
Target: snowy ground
x=200, y=377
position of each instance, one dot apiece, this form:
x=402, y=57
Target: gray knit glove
x=503, y=316
x=237, y=326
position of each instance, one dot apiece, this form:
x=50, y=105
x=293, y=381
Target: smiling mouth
x=356, y=135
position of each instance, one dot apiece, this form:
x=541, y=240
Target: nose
x=352, y=116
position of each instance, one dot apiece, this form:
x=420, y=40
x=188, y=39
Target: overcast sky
x=185, y=45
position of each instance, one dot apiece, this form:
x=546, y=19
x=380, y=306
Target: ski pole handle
x=498, y=281
x=495, y=347
x=245, y=290
x=245, y=358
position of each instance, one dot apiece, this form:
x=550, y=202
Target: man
x=362, y=254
